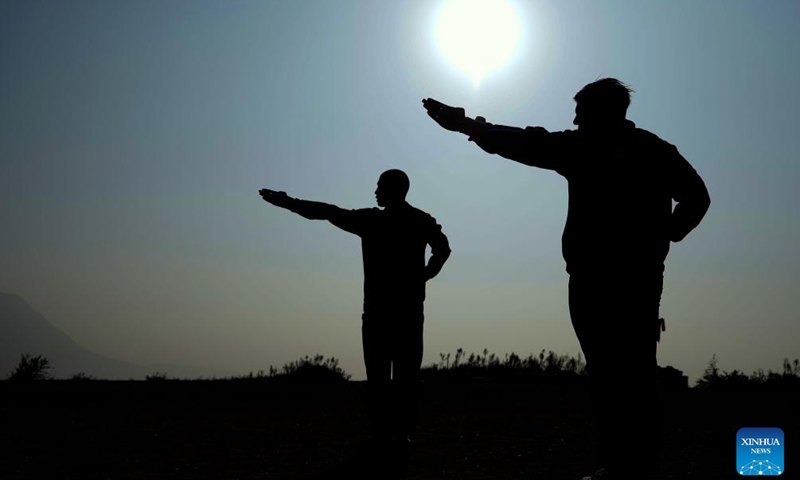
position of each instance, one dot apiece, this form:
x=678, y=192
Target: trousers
x=393, y=350
x=616, y=320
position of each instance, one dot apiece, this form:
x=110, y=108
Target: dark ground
x=243, y=429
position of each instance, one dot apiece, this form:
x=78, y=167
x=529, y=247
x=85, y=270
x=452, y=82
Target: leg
x=614, y=319
x=407, y=361
x=408, y=350
x=587, y=311
x=642, y=321
x=377, y=360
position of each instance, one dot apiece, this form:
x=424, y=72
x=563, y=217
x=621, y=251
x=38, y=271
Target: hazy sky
x=134, y=137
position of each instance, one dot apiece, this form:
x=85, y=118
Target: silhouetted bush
x=711, y=375
x=317, y=368
x=30, y=368
x=156, y=377
x=81, y=376
x=306, y=369
x=788, y=379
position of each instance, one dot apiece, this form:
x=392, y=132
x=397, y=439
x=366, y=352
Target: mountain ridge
x=23, y=330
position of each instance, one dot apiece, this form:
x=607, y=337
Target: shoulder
x=652, y=140
x=665, y=153
x=421, y=215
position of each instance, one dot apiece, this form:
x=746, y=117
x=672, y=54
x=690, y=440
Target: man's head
x=603, y=102
x=392, y=188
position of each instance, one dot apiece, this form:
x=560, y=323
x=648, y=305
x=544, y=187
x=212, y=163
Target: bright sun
x=478, y=36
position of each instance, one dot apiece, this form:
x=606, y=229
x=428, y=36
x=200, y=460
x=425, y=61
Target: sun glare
x=478, y=36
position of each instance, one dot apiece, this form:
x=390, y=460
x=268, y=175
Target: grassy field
x=534, y=428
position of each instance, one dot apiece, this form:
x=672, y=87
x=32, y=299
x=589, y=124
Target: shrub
x=31, y=368
x=786, y=380
x=306, y=369
x=711, y=376
x=317, y=368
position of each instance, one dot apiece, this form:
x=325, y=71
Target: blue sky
x=134, y=137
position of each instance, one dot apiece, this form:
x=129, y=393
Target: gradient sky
x=134, y=137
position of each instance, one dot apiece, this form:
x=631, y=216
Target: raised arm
x=533, y=146
x=691, y=195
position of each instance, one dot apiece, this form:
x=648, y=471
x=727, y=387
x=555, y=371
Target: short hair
x=396, y=180
x=607, y=94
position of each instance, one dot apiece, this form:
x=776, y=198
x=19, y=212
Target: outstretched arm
x=691, y=195
x=533, y=146
x=305, y=208
x=440, y=252
x=353, y=221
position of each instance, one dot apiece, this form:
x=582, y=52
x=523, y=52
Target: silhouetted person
x=620, y=222
x=393, y=240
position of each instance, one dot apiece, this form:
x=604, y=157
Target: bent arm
x=692, y=199
x=440, y=252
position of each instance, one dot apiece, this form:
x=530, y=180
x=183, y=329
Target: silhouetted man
x=620, y=221
x=393, y=240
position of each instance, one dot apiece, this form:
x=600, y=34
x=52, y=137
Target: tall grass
x=488, y=364
x=461, y=365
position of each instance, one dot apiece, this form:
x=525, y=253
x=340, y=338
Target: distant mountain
x=24, y=330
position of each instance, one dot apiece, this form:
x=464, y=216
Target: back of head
x=602, y=101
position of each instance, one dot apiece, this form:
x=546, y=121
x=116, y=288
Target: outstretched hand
x=453, y=118
x=279, y=199
x=449, y=118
